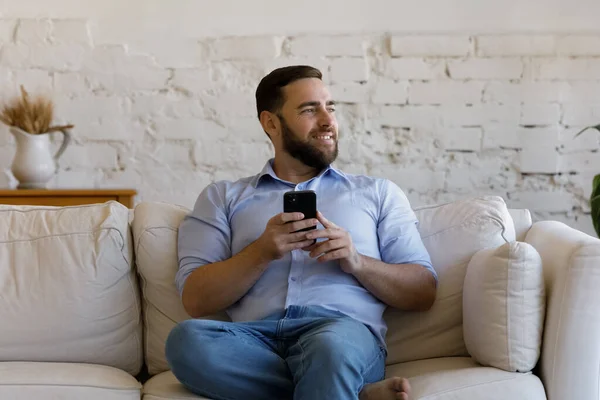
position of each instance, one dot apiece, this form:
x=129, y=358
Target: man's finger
x=327, y=246
x=324, y=221
x=324, y=233
x=297, y=225
x=297, y=245
x=284, y=218
x=311, y=247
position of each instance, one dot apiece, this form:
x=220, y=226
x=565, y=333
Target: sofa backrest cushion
x=155, y=228
x=452, y=233
x=504, y=307
x=68, y=289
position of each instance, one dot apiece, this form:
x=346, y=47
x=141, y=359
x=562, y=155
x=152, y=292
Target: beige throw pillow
x=503, y=307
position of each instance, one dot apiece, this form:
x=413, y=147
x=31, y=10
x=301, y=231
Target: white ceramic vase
x=34, y=164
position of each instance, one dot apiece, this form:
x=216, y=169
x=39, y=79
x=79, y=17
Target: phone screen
x=304, y=201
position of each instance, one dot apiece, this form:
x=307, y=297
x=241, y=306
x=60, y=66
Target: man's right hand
x=278, y=238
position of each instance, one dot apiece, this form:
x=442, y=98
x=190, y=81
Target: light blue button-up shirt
x=228, y=216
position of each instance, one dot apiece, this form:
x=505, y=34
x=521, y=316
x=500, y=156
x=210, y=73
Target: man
x=307, y=317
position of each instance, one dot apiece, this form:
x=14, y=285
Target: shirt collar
x=268, y=171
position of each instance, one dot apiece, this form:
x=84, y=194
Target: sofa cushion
x=522, y=220
x=454, y=378
x=155, y=228
x=460, y=378
x=65, y=381
x=68, y=292
x=452, y=233
x=165, y=386
x=503, y=307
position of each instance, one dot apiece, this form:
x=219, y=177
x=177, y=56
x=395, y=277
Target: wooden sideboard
x=66, y=197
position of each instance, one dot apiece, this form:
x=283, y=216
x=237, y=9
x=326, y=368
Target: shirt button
x=293, y=279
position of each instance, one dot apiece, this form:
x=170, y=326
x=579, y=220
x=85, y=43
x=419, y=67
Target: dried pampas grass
x=31, y=115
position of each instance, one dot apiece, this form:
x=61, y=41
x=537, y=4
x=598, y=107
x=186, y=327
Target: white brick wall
x=442, y=115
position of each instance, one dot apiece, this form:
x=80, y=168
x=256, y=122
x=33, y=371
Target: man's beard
x=305, y=152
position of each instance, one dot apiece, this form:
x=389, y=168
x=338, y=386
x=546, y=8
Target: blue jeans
x=304, y=353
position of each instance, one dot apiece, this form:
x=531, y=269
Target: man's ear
x=270, y=123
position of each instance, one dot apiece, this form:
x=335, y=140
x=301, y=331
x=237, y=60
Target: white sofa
x=87, y=299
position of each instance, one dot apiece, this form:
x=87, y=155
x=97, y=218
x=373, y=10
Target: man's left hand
x=339, y=246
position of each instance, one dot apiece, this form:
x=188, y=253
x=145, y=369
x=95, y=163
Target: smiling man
x=306, y=317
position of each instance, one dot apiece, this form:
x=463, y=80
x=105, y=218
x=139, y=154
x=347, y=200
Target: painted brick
x=83, y=110
x=533, y=138
x=421, y=180
x=480, y=115
x=35, y=81
x=589, y=140
x=239, y=48
x=349, y=70
x=566, y=68
x=71, y=31
x=188, y=129
x=409, y=116
x=416, y=68
x=110, y=129
x=524, y=92
x=446, y=92
x=33, y=31
x=192, y=81
x=546, y=114
x=543, y=160
x=430, y=45
x=579, y=45
x=69, y=83
x=490, y=68
x=90, y=155
x=167, y=53
x=556, y=201
x=7, y=30
x=389, y=92
x=465, y=139
x=516, y=45
x=580, y=162
x=317, y=46
x=581, y=114
x=587, y=92
x=499, y=136
x=349, y=92
x=87, y=178
x=50, y=57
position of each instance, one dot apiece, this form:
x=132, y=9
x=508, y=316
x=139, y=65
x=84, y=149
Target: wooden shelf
x=66, y=197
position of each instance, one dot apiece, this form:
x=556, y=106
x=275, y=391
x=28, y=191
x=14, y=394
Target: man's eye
x=331, y=109
x=309, y=110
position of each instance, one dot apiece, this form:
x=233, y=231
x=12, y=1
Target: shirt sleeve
x=204, y=235
x=399, y=238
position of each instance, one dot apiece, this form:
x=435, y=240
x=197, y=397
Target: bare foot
x=395, y=388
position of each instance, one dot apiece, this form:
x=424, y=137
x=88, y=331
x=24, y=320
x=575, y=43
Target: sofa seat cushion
x=165, y=386
x=65, y=381
x=461, y=378
x=452, y=378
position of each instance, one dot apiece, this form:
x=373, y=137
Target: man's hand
x=339, y=246
x=277, y=240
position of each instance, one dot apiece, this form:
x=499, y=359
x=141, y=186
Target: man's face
x=309, y=129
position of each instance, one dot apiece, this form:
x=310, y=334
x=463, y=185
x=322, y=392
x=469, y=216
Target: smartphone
x=304, y=201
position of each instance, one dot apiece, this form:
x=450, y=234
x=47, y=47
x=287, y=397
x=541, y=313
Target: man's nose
x=326, y=118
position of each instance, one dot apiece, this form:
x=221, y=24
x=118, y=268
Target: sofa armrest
x=570, y=358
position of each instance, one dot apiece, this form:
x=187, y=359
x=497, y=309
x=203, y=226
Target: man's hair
x=269, y=93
